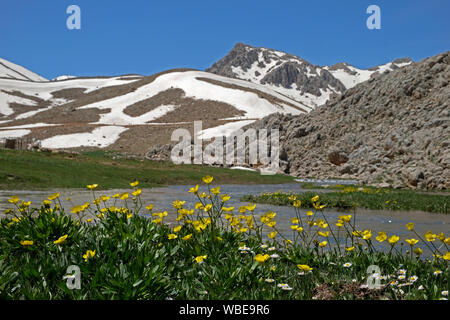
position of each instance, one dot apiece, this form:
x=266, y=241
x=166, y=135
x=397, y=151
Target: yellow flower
x=294, y=227
x=297, y=203
x=315, y=198
x=76, y=209
x=349, y=249
x=309, y=213
x=323, y=234
x=200, y=259
x=194, y=190
x=61, y=239
x=157, y=221
x=251, y=207
x=271, y=224
x=187, y=237
x=346, y=218
x=88, y=254
x=294, y=221
x=323, y=244
x=418, y=251
x=430, y=236
x=26, y=243
x=172, y=236
x=124, y=196
x=219, y=238
x=304, y=267
x=272, y=234
x=129, y=215
x=227, y=209
x=261, y=258
x=216, y=190
x=134, y=184
x=13, y=199
x=381, y=236
x=225, y=197
x=104, y=198
x=208, y=179
x=137, y=193
x=46, y=202
x=149, y=207
x=447, y=241
x=92, y=186
x=177, y=229
x=393, y=239
x=367, y=234
x=53, y=196
x=412, y=241
x=446, y=256
x=208, y=207
x=410, y=226
x=300, y=229
x=116, y=196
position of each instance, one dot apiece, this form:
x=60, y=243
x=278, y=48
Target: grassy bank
x=213, y=251
x=33, y=170
x=368, y=198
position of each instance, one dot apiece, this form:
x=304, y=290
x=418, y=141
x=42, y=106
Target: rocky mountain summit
x=295, y=77
x=392, y=130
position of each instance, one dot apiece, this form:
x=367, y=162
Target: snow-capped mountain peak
x=14, y=71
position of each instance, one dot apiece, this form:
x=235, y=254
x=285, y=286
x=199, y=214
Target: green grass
x=39, y=170
x=384, y=199
x=134, y=259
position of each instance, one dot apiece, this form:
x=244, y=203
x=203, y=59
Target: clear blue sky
x=148, y=36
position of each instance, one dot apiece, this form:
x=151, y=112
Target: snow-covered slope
x=295, y=77
x=96, y=112
x=14, y=71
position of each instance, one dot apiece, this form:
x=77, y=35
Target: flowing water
x=392, y=222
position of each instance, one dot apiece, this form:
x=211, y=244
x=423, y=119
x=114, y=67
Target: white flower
x=401, y=277
x=347, y=265
x=421, y=287
x=437, y=272
x=444, y=293
x=402, y=271
x=301, y=273
x=281, y=285
x=443, y=298
x=274, y=255
x=286, y=288
x=413, y=278
x=269, y=280
x=244, y=248
x=271, y=248
x=264, y=246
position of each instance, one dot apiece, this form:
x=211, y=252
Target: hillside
x=392, y=130
x=293, y=76
x=131, y=113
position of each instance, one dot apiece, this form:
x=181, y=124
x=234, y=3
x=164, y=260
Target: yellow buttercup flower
x=297, y=203
x=208, y=179
x=134, y=184
x=349, y=249
x=137, y=192
x=393, y=239
x=381, y=236
x=216, y=190
x=272, y=234
x=446, y=256
x=261, y=258
x=53, y=196
x=227, y=209
x=309, y=213
x=315, y=198
x=92, y=186
x=187, y=237
x=177, y=229
x=194, y=190
x=418, y=251
x=200, y=259
x=304, y=267
x=225, y=197
x=149, y=207
x=251, y=207
x=172, y=236
x=323, y=244
x=88, y=254
x=13, y=200
x=124, y=196
x=410, y=226
x=429, y=236
x=323, y=234
x=367, y=234
x=104, y=198
x=412, y=241
x=61, y=239
x=26, y=243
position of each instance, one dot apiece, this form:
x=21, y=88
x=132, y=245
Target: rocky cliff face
x=392, y=130
x=293, y=76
